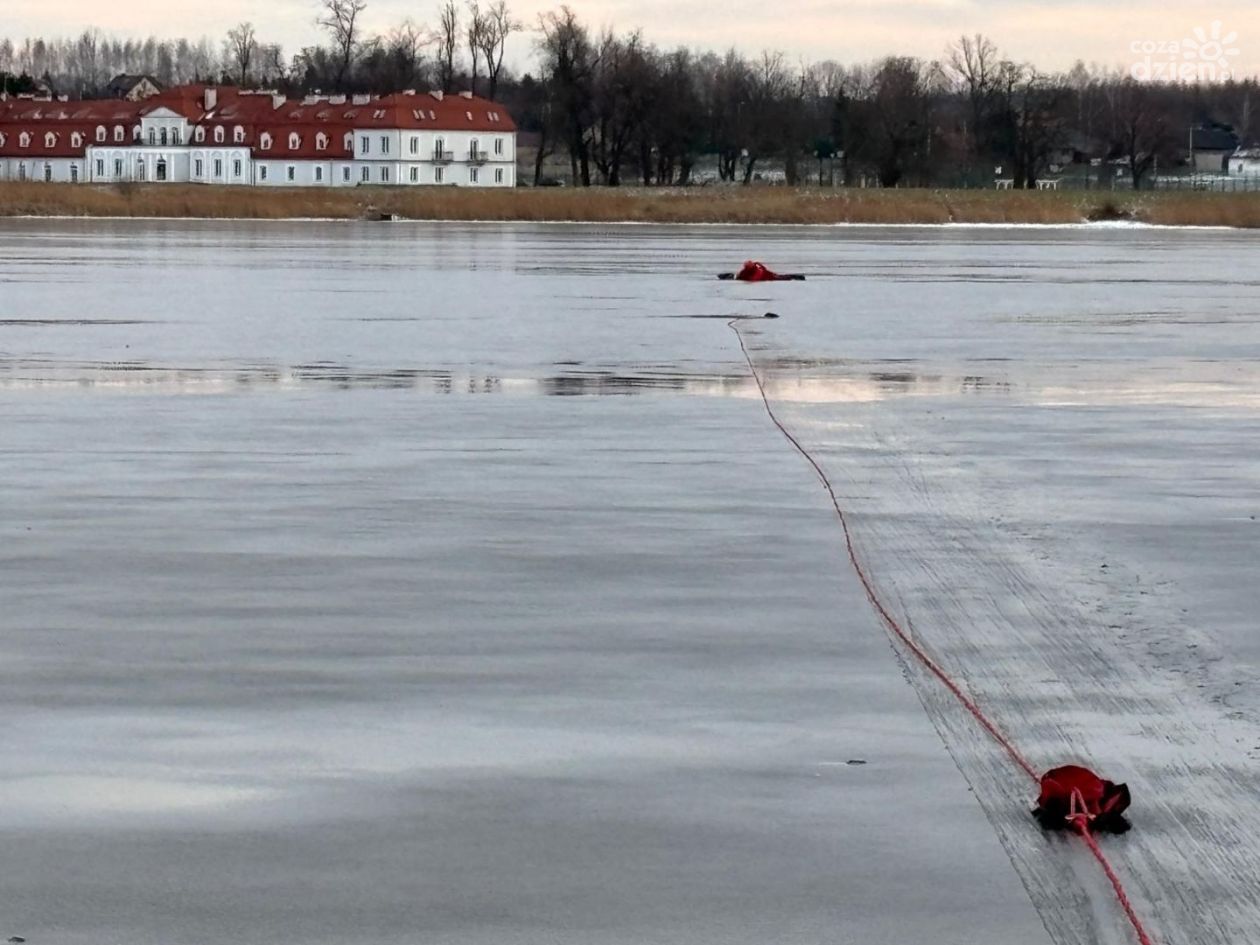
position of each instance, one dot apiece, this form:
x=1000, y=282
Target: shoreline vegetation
x=632, y=205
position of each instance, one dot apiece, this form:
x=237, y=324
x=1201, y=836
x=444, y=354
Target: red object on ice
x=756, y=272
x=1072, y=796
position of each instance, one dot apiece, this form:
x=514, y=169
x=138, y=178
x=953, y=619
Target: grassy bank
x=695, y=205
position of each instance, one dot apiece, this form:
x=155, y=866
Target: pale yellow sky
x=1050, y=33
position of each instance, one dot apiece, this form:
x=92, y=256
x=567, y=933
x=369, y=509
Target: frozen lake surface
x=448, y=584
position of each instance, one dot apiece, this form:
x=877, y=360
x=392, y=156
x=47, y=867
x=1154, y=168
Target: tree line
x=616, y=108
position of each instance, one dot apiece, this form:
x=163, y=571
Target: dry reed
x=607, y=205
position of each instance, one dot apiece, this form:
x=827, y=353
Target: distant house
x=1211, y=147
x=1245, y=162
x=1076, y=148
x=133, y=88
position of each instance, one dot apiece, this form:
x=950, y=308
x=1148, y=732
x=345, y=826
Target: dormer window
x=76, y=140
x=264, y=141
x=295, y=141
x=321, y=142
x=120, y=134
x=100, y=134
x=218, y=134
x=24, y=139
x=199, y=135
x=348, y=141
x=136, y=133
x=50, y=140
x=238, y=134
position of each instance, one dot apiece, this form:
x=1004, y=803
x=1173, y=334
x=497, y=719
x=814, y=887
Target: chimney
x=437, y=94
x=336, y=100
x=212, y=99
x=361, y=99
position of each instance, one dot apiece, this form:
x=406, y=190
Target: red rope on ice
x=1081, y=821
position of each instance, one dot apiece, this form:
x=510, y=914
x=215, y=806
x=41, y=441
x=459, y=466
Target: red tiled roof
x=255, y=113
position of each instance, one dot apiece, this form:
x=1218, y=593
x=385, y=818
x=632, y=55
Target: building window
x=295, y=141
x=384, y=144
x=218, y=134
x=498, y=145
x=348, y=142
x=177, y=136
x=47, y=173
x=321, y=142
x=74, y=173
x=118, y=167
x=163, y=139
x=120, y=133
x=161, y=169
x=439, y=149
x=319, y=175
x=364, y=144
x=236, y=168
x=218, y=167
x=100, y=134
x=472, y=175
x=415, y=175
x=264, y=141
x=198, y=167
x=100, y=167
x=498, y=175
x=437, y=175
x=290, y=173
x=238, y=134
x=50, y=140
x=415, y=144
x=199, y=135
x=472, y=149
x=345, y=174
x=262, y=171
x=384, y=175
x=76, y=140
x=364, y=175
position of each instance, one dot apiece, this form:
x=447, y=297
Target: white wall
x=219, y=164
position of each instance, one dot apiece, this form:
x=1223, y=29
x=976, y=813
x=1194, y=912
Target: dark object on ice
x=856, y=761
x=1073, y=797
x=17, y=938
x=770, y=315
x=755, y=272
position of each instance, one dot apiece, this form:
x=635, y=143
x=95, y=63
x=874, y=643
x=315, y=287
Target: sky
x=1050, y=33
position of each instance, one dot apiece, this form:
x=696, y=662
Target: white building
x=1245, y=162
x=226, y=136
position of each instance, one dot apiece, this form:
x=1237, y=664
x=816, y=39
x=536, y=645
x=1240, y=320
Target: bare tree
x=475, y=37
x=341, y=20
x=973, y=63
x=568, y=60
x=447, y=39
x=497, y=27
x=239, y=49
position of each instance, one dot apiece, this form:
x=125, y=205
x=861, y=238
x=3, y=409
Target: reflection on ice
x=1185, y=383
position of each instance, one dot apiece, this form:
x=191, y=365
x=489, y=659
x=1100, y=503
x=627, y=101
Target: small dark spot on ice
x=17, y=938
x=856, y=761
